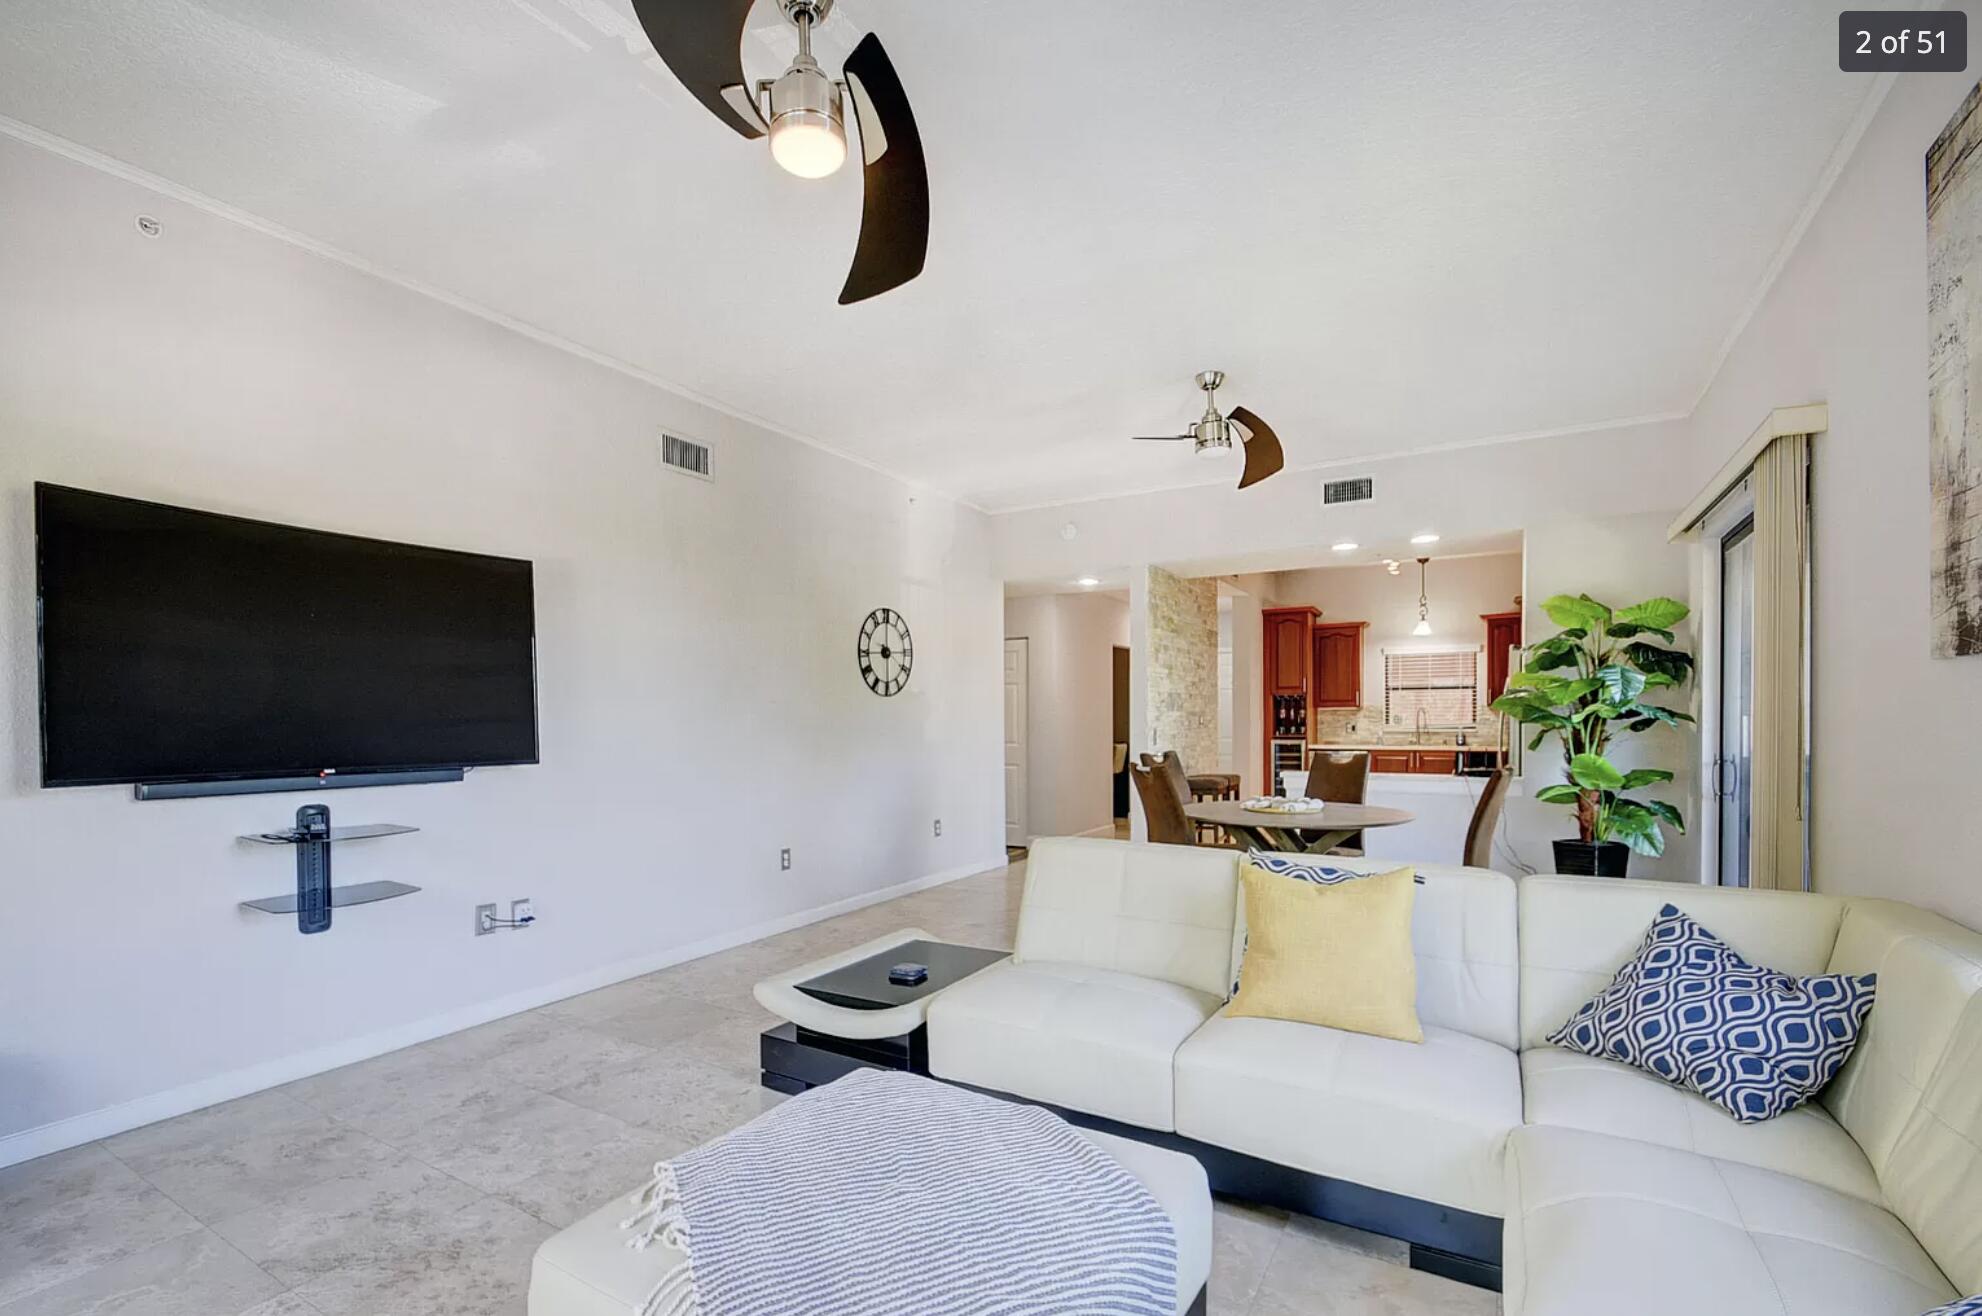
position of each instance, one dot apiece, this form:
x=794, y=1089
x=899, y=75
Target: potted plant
x=1587, y=687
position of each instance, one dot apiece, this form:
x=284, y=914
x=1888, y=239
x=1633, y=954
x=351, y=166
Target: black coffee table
x=795, y=1058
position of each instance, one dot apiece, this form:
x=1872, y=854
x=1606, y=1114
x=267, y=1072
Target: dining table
x=1296, y=833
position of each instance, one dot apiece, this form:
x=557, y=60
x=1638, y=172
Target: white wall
x=1461, y=589
x=695, y=644
x=1070, y=722
x=1897, y=734
x=1619, y=561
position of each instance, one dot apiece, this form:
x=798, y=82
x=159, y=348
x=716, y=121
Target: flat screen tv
x=179, y=646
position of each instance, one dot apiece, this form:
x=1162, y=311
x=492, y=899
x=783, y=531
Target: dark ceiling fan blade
x=1160, y=438
x=702, y=44
x=894, y=209
x=1263, y=454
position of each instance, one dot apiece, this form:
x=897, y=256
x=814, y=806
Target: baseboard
x=77, y=1130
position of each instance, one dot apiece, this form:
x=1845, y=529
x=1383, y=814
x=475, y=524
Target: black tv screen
x=184, y=646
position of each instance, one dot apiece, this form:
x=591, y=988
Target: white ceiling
x=1394, y=225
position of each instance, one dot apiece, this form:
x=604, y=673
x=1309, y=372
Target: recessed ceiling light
x=1346, y=546
x=1428, y=537
x=1087, y=582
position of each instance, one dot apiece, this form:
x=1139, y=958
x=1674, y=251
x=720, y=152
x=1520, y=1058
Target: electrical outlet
x=784, y=860
x=939, y=827
x=522, y=912
x=484, y=920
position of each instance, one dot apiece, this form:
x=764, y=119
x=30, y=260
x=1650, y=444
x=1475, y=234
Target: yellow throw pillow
x=1338, y=955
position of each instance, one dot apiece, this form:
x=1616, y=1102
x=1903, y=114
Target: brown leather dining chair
x=1486, y=819
x=1169, y=767
x=1340, y=776
x=1162, y=804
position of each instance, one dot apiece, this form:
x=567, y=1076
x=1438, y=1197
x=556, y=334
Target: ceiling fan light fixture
x=808, y=128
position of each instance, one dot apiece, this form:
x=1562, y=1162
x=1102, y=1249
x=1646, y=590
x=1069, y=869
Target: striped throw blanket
x=884, y=1193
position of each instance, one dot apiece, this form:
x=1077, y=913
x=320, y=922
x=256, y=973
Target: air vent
x=1359, y=490
x=686, y=456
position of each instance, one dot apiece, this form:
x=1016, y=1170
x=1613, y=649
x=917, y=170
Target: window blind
x=1443, y=685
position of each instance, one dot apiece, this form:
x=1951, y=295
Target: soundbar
x=329, y=781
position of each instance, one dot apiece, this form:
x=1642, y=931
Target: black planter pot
x=1592, y=858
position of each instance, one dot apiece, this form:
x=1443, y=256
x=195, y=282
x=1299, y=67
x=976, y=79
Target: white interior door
x=1015, y=742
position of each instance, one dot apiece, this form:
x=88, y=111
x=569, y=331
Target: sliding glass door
x=1737, y=702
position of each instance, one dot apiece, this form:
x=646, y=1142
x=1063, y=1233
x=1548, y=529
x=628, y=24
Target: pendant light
x=1424, y=604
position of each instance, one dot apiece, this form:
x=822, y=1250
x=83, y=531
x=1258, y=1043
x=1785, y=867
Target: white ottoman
x=587, y=1270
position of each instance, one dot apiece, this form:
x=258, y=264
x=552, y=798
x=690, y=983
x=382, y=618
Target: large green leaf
x=1660, y=614
x=1667, y=812
x=1640, y=831
x=1550, y=660
x=1532, y=714
x=1649, y=658
x=1577, y=610
x=1521, y=706
x=1594, y=772
x=1624, y=630
x=1644, y=777
x=1548, y=689
x=1621, y=685
x=1672, y=717
x=1559, y=793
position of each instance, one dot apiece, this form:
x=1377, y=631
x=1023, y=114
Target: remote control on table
x=313, y=868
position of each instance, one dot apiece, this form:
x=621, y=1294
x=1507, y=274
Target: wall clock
x=886, y=652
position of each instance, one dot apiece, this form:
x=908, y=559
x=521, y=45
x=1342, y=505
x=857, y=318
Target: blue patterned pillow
x=1690, y=1010
x=1304, y=867
x=1959, y=1307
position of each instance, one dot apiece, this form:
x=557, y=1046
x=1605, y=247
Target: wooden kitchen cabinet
x=1337, y=680
x=1285, y=651
x=1503, y=633
x=1430, y=762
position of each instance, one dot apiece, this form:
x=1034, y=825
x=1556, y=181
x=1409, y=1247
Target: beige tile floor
x=419, y=1183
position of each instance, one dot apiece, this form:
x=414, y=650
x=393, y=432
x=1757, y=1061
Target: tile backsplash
x=1364, y=726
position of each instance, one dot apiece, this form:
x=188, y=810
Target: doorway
x=1736, y=657
x=1017, y=749
x=1119, y=755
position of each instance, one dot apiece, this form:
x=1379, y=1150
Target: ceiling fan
x=1213, y=434
x=701, y=41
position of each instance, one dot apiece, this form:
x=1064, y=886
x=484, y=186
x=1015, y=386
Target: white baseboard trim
x=140, y=1111
x=1109, y=830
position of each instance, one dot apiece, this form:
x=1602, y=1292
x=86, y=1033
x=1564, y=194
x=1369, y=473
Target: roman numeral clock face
x=886, y=652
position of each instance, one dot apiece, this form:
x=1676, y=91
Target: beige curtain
x=1778, y=788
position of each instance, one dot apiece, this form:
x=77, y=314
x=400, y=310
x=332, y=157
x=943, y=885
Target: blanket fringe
x=660, y=1217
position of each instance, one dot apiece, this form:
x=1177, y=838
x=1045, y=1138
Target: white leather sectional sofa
x=1598, y=1188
